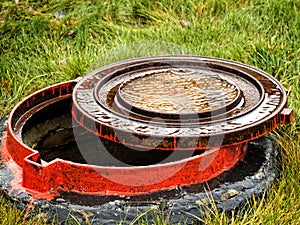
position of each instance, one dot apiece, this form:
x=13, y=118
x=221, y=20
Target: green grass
x=37, y=49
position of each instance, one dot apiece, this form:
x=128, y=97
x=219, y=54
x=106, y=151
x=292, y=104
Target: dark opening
x=54, y=134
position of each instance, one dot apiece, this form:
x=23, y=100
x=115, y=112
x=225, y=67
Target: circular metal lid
x=178, y=102
x=174, y=93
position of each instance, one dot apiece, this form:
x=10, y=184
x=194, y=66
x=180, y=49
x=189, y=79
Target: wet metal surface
x=178, y=92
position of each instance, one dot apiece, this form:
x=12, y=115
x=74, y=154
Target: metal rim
x=261, y=118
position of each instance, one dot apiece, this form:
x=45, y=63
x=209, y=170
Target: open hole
x=51, y=132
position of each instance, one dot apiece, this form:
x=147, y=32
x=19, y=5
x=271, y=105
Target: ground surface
x=45, y=42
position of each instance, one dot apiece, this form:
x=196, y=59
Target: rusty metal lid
x=179, y=102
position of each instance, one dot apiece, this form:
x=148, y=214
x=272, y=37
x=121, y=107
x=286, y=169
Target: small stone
x=230, y=194
x=14, y=193
x=63, y=62
x=203, y=201
x=21, y=206
x=25, y=197
x=59, y=14
x=35, y=203
x=45, y=206
x=70, y=32
x=185, y=23
x=60, y=200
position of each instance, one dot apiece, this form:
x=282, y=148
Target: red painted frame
x=47, y=179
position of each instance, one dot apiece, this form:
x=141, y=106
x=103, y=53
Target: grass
x=37, y=49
